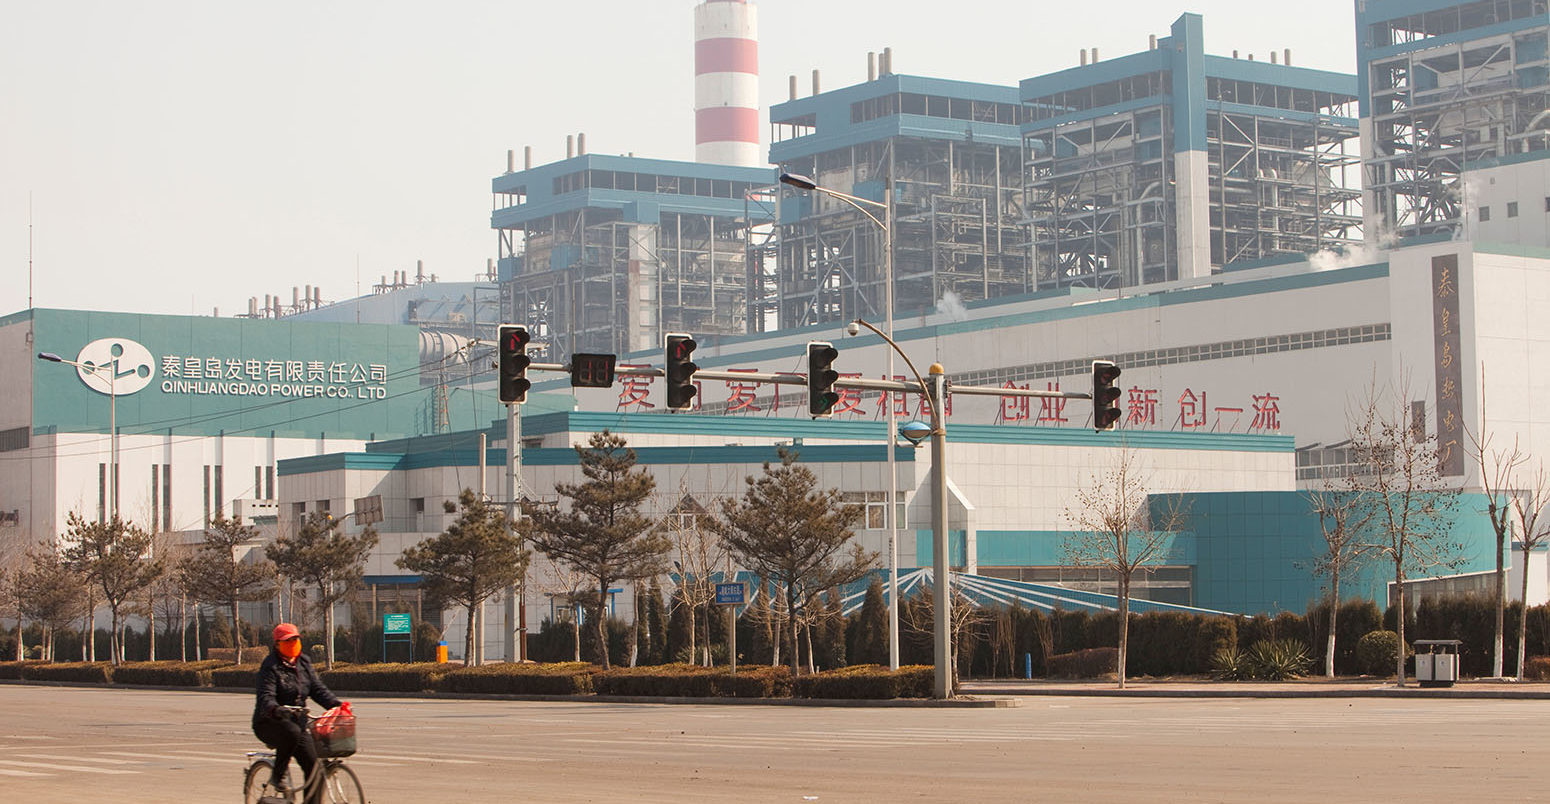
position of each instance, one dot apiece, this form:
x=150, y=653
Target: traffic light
x=821, y=376
x=513, y=364
x=680, y=372
x=1105, y=395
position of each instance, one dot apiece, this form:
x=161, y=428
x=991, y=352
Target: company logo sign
x=116, y=366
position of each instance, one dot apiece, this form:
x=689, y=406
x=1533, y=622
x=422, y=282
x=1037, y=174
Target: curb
x=1376, y=692
x=963, y=702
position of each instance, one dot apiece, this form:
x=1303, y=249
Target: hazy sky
x=184, y=156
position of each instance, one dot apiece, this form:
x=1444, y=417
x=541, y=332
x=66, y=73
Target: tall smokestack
x=726, y=83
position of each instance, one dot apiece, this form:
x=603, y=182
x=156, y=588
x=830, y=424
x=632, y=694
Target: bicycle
x=332, y=781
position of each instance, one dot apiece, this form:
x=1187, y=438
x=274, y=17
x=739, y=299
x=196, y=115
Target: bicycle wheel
x=340, y=786
x=255, y=783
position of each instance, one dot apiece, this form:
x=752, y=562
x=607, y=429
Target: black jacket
x=282, y=685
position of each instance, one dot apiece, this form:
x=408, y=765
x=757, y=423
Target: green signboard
x=395, y=624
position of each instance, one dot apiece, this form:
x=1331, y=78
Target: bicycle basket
x=334, y=735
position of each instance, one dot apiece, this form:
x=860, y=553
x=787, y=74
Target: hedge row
x=564, y=678
x=170, y=674
x=417, y=677
x=1089, y=663
x=866, y=681
x=694, y=681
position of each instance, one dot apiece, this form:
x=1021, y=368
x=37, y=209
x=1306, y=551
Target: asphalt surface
x=67, y=744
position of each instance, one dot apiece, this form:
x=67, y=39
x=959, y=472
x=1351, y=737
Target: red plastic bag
x=333, y=732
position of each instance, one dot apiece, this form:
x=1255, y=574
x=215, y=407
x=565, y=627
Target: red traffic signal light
x=514, y=361
x=680, y=371
x=1105, y=395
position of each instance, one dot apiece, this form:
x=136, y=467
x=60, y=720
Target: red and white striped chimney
x=726, y=83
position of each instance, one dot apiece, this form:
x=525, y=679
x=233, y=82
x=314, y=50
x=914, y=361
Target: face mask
x=290, y=648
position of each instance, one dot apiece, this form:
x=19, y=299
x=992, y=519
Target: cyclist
x=287, y=679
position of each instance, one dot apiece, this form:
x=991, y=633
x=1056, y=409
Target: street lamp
x=941, y=598
x=111, y=369
x=860, y=204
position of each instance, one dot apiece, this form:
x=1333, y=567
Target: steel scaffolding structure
x=957, y=222
x=1441, y=101
x=616, y=286
x=1103, y=190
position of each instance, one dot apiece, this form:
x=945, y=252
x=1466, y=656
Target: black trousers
x=288, y=739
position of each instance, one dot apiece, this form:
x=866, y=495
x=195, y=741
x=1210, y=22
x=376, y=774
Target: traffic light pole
x=515, y=638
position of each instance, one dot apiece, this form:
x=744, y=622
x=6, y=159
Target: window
x=102, y=492
x=418, y=504
x=1485, y=214
x=298, y=510
x=207, y=496
x=18, y=438
x=1547, y=203
x=268, y=482
x=685, y=515
x=220, y=494
x=258, y=483
x=875, y=508
x=1512, y=209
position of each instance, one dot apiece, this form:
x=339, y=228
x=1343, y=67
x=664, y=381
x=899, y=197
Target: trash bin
x=1438, y=666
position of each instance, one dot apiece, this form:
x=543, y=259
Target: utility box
x=1438, y=666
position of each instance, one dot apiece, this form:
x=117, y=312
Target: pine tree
x=870, y=642
x=477, y=556
x=786, y=530
x=319, y=555
x=113, y=556
x=602, y=533
x=216, y=574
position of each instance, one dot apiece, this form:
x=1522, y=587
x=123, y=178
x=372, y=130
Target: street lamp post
x=112, y=372
x=884, y=223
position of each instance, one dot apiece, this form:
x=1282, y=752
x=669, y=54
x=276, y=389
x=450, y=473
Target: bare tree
x=1528, y=505
x=1117, y=529
x=920, y=617
x=49, y=592
x=786, y=530
x=477, y=556
x=1497, y=468
x=698, y=556
x=321, y=556
x=602, y=534
x=114, y=556
x=1343, y=520
x=1410, y=503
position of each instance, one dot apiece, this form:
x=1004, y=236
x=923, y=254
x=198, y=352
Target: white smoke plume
x=951, y=305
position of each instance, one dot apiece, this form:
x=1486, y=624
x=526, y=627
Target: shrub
x=1089, y=663
x=11, y=671
x=671, y=680
x=1375, y=652
x=754, y=681
x=1277, y=660
x=86, y=672
x=866, y=681
x=172, y=674
x=564, y=678
x=235, y=675
x=1228, y=664
x=229, y=655
x=417, y=677
x=1536, y=668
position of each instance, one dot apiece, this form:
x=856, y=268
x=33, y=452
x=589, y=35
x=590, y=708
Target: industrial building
x=608, y=253
x=946, y=155
x=1451, y=89
x=1170, y=163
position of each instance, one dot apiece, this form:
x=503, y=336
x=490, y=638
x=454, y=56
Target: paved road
x=75, y=744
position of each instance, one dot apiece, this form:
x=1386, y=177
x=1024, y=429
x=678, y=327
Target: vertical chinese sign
x=1449, y=365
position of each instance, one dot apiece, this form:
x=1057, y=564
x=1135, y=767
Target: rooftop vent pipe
x=1151, y=42
x=816, y=87
x=527, y=157
x=886, y=66
x=581, y=144
x=871, y=65
x=793, y=87
x=511, y=161
x=1286, y=57
x=1084, y=57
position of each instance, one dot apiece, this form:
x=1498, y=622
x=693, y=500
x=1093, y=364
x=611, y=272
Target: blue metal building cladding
x=537, y=187
x=829, y=114
x=370, y=384
x=1182, y=55
x=1255, y=551
x=1371, y=12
